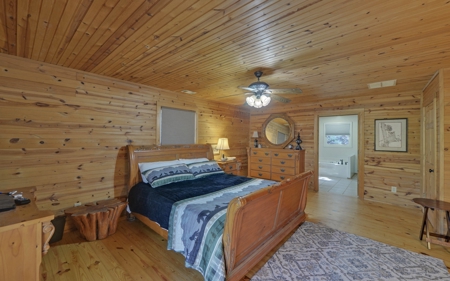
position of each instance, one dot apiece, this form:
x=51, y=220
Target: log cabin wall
x=381, y=169
x=64, y=131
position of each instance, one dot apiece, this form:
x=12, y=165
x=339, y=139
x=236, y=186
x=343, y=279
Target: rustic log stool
x=97, y=220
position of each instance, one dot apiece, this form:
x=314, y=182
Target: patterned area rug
x=316, y=252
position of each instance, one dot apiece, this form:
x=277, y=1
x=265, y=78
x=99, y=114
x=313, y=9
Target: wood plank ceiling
x=329, y=49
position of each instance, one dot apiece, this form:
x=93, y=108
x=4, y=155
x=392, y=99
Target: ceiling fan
x=261, y=94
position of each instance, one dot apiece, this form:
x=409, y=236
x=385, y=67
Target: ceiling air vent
x=382, y=84
x=189, y=92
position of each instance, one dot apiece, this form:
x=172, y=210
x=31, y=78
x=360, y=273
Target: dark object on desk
x=438, y=205
x=6, y=203
x=21, y=201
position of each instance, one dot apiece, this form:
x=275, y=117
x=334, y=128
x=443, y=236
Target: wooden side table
x=438, y=205
x=232, y=167
x=97, y=220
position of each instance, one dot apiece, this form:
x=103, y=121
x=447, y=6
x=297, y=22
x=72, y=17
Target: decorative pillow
x=164, y=175
x=194, y=160
x=151, y=165
x=202, y=169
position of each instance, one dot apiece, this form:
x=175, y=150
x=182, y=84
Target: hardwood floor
x=135, y=252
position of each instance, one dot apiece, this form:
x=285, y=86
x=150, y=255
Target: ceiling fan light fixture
x=258, y=102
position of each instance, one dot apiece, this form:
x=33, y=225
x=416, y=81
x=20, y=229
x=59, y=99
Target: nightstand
x=232, y=167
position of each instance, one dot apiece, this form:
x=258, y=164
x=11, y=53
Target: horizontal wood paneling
x=381, y=169
x=65, y=131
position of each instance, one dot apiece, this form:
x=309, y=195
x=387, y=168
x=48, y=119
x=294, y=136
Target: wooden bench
x=97, y=220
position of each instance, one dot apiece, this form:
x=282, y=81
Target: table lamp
x=255, y=135
x=222, y=144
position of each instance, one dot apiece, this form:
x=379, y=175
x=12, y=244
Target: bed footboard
x=257, y=222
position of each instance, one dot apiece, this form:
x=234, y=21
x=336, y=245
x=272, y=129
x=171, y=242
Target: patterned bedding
x=194, y=213
x=196, y=227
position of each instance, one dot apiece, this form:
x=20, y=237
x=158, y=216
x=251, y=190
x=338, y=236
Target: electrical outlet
x=76, y=204
x=394, y=189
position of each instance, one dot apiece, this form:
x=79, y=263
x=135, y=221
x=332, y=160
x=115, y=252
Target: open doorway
x=339, y=157
x=338, y=154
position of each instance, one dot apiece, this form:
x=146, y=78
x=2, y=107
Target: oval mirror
x=278, y=130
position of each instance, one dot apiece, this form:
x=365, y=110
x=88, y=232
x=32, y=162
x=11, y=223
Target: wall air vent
x=189, y=92
x=382, y=84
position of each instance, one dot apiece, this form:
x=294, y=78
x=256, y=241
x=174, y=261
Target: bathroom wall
x=339, y=152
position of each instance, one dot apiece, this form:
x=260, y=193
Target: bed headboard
x=154, y=153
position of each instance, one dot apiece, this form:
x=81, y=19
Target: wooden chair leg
x=447, y=215
x=424, y=222
x=428, y=235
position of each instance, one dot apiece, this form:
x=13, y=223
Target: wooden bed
x=248, y=235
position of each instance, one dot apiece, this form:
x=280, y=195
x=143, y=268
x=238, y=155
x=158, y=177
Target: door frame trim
x=360, y=113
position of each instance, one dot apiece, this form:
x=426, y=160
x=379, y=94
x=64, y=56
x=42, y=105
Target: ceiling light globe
x=265, y=100
x=251, y=100
x=258, y=103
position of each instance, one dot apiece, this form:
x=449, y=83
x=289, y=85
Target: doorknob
x=431, y=170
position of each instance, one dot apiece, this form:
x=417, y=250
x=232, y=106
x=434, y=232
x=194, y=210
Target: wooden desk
x=438, y=205
x=25, y=233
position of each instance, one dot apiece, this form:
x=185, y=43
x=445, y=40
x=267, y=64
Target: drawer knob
x=254, y=152
x=276, y=154
x=267, y=153
x=282, y=170
x=282, y=177
x=283, y=162
x=290, y=155
x=259, y=174
x=260, y=167
x=260, y=160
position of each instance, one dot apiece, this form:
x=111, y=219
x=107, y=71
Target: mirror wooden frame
x=291, y=130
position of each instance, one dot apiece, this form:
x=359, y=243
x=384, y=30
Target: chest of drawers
x=275, y=164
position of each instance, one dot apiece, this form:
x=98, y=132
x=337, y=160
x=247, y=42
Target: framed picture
x=214, y=148
x=391, y=135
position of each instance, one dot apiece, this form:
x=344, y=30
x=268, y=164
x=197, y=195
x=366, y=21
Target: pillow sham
x=151, y=165
x=160, y=176
x=202, y=169
x=194, y=160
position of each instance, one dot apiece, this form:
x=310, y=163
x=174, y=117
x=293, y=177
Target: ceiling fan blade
x=280, y=99
x=286, y=91
x=247, y=88
x=233, y=95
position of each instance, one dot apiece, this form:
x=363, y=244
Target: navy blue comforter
x=156, y=203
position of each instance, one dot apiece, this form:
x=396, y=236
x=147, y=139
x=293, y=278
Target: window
x=338, y=134
x=176, y=125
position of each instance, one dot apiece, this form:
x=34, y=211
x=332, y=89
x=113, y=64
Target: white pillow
x=194, y=160
x=151, y=165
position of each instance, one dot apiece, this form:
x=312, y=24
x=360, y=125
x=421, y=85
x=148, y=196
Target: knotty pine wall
x=381, y=169
x=65, y=132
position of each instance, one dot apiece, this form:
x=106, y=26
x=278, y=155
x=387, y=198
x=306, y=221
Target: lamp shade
x=222, y=144
x=255, y=134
